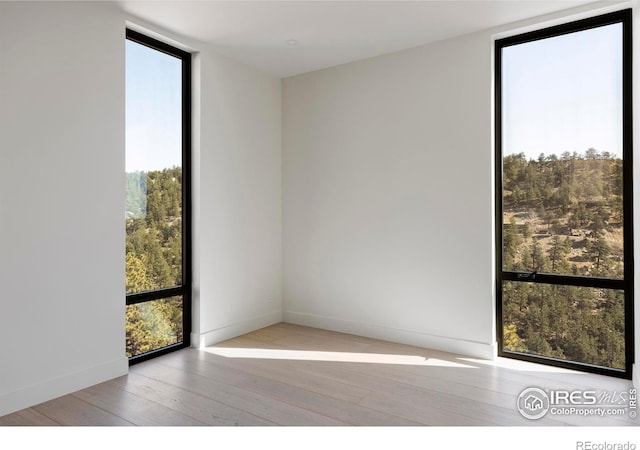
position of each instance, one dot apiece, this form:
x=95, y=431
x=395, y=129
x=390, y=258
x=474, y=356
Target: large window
x=563, y=195
x=158, y=252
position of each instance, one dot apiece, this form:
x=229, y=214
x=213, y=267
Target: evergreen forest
x=153, y=257
x=564, y=215
x=561, y=215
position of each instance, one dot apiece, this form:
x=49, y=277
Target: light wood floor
x=292, y=375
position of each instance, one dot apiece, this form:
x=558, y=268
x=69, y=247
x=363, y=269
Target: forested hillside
x=561, y=215
x=564, y=215
x=153, y=257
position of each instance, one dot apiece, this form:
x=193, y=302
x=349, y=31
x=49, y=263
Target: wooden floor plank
x=26, y=417
x=485, y=380
x=292, y=375
x=135, y=409
x=186, y=402
x=281, y=413
x=290, y=372
x=70, y=410
x=243, y=376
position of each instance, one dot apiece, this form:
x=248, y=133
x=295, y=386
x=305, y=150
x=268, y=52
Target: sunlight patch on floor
x=313, y=355
x=521, y=366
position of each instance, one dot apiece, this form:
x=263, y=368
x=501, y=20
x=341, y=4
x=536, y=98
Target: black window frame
x=623, y=17
x=185, y=289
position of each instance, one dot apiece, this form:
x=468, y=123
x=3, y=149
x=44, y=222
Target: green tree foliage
x=566, y=322
x=511, y=243
x=153, y=257
x=511, y=339
x=599, y=253
x=557, y=252
x=564, y=215
x=152, y=325
x=137, y=275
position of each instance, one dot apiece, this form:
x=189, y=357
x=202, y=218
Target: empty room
x=319, y=213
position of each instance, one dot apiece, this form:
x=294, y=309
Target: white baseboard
x=446, y=344
x=57, y=387
x=234, y=330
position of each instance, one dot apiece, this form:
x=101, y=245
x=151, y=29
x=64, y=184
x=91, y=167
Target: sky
x=559, y=94
x=564, y=94
x=153, y=109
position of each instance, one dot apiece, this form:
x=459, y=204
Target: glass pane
x=579, y=324
x=562, y=154
x=154, y=324
x=154, y=173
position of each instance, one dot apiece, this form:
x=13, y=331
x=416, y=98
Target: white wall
x=238, y=279
x=388, y=194
x=62, y=131
x=387, y=197
x=61, y=199
x=237, y=213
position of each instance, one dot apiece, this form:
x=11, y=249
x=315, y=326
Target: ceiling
x=286, y=38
